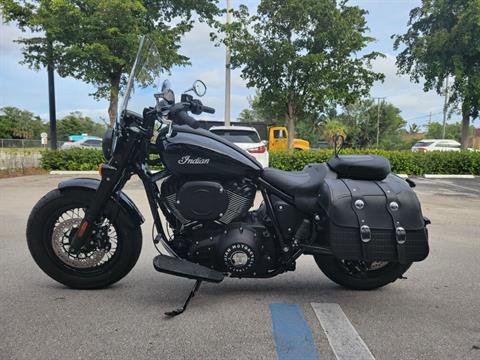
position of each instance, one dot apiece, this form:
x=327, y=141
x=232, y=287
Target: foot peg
x=190, y=296
x=184, y=268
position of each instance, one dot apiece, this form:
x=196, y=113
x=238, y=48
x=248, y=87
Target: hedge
x=72, y=159
x=404, y=162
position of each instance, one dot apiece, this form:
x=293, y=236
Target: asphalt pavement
x=433, y=314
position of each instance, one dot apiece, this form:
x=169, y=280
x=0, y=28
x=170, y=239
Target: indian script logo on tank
x=188, y=160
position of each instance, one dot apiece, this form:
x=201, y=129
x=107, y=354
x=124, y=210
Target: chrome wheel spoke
x=99, y=253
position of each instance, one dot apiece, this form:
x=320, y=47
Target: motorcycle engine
x=213, y=227
x=207, y=201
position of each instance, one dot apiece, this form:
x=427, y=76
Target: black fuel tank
x=199, y=152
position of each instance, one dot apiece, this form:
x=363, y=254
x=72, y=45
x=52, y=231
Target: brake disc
x=61, y=244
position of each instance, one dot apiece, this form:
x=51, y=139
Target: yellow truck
x=278, y=140
x=275, y=136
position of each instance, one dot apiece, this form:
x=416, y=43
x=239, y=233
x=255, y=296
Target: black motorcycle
x=362, y=223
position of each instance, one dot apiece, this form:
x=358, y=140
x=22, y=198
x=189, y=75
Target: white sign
x=44, y=137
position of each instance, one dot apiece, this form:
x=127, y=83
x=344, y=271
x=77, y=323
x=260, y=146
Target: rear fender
x=125, y=203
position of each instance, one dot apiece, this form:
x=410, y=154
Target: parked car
x=436, y=145
x=246, y=138
x=95, y=143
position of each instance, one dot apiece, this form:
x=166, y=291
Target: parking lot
x=433, y=314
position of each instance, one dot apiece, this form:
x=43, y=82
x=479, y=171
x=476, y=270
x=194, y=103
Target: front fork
x=112, y=178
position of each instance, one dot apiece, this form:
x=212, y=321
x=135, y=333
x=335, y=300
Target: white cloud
x=9, y=33
x=400, y=91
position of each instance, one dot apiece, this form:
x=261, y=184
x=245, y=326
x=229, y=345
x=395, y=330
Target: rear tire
x=83, y=272
x=350, y=275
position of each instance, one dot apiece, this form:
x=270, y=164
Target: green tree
x=452, y=131
x=75, y=123
x=263, y=109
x=20, y=124
x=442, y=41
x=331, y=128
x=96, y=40
x=361, y=121
x=247, y=115
x=303, y=55
x=413, y=129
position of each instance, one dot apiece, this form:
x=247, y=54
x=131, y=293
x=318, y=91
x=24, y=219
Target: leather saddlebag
x=374, y=220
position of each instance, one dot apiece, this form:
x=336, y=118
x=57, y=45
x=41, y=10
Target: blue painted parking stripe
x=293, y=338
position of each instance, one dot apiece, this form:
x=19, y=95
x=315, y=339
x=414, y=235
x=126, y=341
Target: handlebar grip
x=187, y=119
x=208, y=109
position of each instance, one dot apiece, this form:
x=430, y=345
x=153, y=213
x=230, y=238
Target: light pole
x=378, y=118
x=445, y=108
x=51, y=96
x=227, y=69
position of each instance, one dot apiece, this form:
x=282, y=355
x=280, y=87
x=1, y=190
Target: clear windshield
x=144, y=77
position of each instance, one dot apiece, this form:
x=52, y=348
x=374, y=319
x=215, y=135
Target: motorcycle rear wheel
x=359, y=275
x=105, y=260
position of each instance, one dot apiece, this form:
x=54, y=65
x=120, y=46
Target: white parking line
x=342, y=336
x=452, y=184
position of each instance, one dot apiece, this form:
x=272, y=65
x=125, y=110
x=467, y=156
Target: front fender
x=92, y=184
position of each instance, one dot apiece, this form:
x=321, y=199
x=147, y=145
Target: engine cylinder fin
x=237, y=205
x=171, y=200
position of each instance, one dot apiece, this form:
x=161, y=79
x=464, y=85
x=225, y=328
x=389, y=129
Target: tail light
x=258, y=150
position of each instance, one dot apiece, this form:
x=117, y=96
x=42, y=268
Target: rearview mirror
x=199, y=88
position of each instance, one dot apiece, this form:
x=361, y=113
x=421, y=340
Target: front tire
x=109, y=256
x=359, y=275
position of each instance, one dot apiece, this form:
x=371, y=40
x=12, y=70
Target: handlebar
x=208, y=110
x=183, y=118
x=179, y=112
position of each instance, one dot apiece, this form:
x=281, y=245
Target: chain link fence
x=24, y=144
x=20, y=154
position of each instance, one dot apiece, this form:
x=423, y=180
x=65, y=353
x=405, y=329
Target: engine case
x=239, y=249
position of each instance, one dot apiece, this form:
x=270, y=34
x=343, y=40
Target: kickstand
x=190, y=296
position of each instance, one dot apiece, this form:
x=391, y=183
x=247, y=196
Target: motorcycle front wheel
x=360, y=275
x=107, y=257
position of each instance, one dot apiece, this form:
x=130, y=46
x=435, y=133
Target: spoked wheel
x=360, y=275
x=97, y=252
x=109, y=254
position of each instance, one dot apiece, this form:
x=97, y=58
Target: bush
x=72, y=159
x=403, y=162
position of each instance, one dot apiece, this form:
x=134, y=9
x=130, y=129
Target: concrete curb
x=62, y=172
x=440, y=176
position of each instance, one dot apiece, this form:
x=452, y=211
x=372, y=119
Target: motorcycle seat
x=303, y=183
x=360, y=167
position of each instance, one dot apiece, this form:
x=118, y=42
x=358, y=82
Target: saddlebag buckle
x=401, y=235
x=365, y=233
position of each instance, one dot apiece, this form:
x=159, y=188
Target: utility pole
x=228, y=69
x=51, y=96
x=378, y=118
x=445, y=108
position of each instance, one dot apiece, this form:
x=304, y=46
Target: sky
x=27, y=89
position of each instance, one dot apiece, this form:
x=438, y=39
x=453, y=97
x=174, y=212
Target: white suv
x=246, y=138
x=436, y=145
